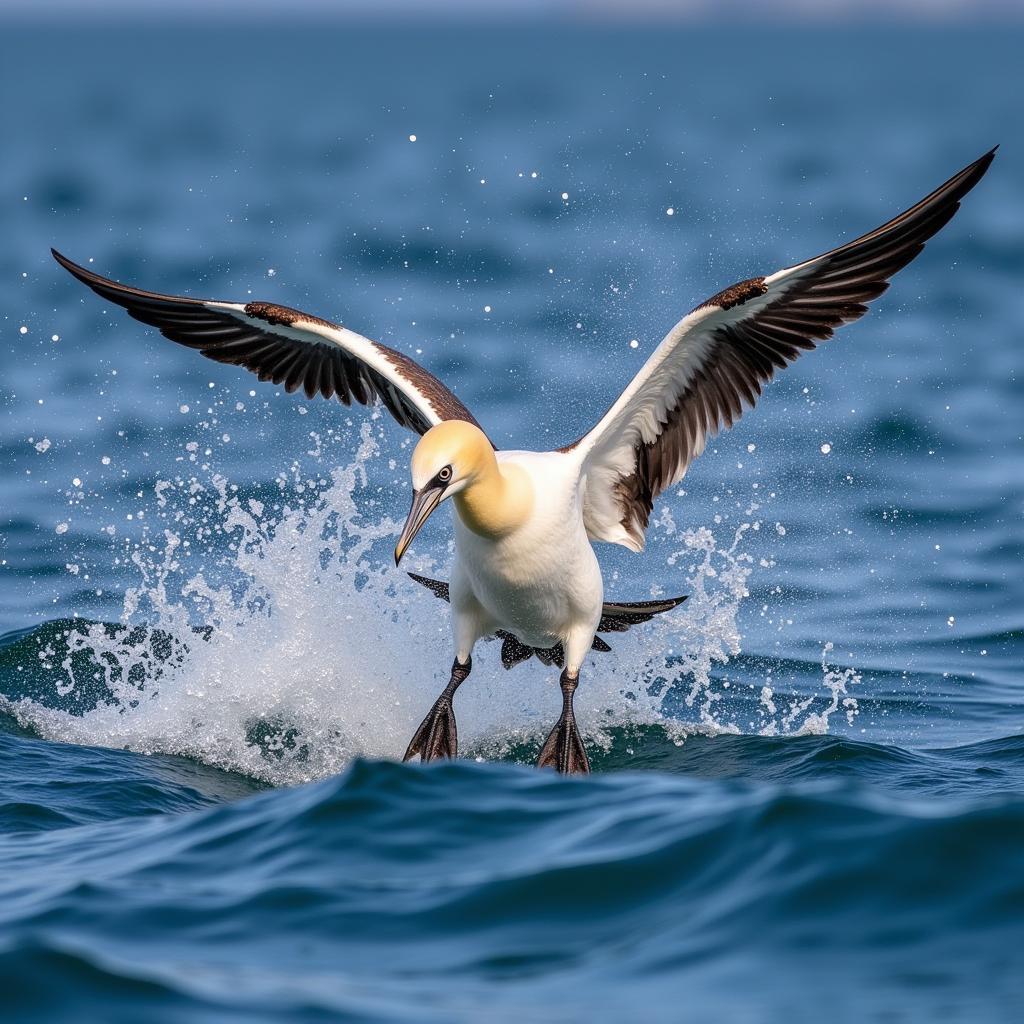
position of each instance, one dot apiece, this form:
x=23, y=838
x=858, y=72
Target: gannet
x=526, y=521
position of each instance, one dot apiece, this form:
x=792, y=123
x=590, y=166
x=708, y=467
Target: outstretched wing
x=289, y=347
x=715, y=361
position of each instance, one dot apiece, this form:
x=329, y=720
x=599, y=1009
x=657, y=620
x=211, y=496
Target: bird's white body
x=541, y=581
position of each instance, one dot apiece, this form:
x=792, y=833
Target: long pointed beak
x=423, y=503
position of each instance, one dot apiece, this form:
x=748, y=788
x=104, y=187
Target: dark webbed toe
x=563, y=750
x=438, y=736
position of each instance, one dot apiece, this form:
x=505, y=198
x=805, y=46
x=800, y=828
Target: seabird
x=525, y=521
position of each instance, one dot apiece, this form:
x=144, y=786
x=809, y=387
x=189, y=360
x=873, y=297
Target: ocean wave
x=472, y=876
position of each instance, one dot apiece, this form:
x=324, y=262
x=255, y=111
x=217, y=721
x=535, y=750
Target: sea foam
x=271, y=634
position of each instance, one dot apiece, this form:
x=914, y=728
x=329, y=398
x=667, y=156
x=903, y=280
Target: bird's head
x=448, y=458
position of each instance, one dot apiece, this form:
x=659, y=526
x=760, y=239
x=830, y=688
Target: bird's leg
x=563, y=749
x=437, y=735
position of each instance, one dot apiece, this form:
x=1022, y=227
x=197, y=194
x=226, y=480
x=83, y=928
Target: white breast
x=542, y=581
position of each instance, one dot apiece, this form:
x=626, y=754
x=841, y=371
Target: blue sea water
x=808, y=796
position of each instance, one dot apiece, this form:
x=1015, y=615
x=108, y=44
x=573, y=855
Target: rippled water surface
x=808, y=778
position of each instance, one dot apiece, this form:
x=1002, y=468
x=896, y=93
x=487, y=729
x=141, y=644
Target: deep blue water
x=808, y=795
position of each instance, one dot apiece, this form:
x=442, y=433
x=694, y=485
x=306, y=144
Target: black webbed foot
x=563, y=750
x=438, y=736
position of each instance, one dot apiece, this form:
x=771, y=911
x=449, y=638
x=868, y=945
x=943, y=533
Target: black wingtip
x=982, y=164
x=65, y=262
x=85, y=276
x=61, y=258
x=123, y=294
x=973, y=173
x=965, y=180
x=987, y=158
x=102, y=286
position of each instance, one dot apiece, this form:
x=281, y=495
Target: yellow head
x=448, y=458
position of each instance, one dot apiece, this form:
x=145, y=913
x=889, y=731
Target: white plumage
x=541, y=581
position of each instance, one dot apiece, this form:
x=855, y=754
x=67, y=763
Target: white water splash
x=286, y=643
x=837, y=681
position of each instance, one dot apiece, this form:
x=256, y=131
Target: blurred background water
x=809, y=777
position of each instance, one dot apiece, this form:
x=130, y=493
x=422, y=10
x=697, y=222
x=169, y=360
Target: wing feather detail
x=287, y=347
x=715, y=362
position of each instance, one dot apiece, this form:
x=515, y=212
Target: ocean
x=808, y=788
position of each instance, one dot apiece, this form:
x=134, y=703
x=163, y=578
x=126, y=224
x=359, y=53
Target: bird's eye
x=445, y=475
